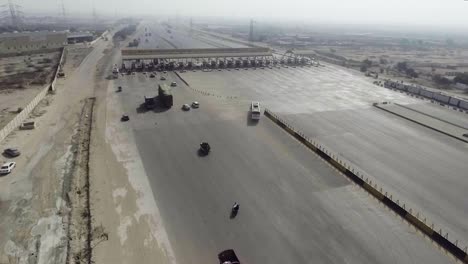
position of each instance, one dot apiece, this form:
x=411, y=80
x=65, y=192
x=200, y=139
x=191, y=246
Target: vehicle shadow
x=6, y=156
x=233, y=214
x=250, y=121
x=201, y=153
x=157, y=108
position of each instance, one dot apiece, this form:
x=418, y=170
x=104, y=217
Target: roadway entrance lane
x=294, y=208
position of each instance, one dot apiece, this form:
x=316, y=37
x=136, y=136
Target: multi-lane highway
x=423, y=168
x=294, y=207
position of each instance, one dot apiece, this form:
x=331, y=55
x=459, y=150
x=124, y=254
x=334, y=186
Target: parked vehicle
x=195, y=104
x=28, y=125
x=7, y=167
x=12, y=152
x=173, y=84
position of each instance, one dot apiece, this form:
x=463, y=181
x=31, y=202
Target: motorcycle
x=235, y=210
x=205, y=148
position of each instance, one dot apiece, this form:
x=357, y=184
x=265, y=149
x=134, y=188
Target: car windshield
x=5, y=167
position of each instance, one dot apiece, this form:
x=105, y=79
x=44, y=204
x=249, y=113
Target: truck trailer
x=165, y=95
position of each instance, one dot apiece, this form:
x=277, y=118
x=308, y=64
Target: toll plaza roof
x=133, y=54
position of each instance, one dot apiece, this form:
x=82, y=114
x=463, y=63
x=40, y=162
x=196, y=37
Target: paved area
x=295, y=90
x=179, y=37
x=423, y=119
x=294, y=207
x=452, y=117
x=421, y=167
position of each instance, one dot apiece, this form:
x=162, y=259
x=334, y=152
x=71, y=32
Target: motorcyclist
x=235, y=207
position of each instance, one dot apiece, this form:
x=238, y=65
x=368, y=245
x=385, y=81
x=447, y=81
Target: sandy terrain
x=32, y=208
x=22, y=78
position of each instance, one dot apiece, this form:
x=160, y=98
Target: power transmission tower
x=251, y=33
x=63, y=13
x=95, y=17
x=13, y=11
x=191, y=25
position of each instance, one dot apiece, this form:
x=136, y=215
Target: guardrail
x=372, y=188
x=16, y=122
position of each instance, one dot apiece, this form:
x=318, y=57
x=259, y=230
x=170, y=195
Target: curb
x=366, y=184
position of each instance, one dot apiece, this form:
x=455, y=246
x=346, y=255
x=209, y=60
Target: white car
x=195, y=105
x=185, y=107
x=7, y=167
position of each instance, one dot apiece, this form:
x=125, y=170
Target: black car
x=12, y=152
x=124, y=118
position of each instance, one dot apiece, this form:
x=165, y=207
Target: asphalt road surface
x=294, y=207
x=180, y=37
x=423, y=168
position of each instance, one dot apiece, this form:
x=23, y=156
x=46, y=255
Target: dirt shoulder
x=122, y=202
x=32, y=205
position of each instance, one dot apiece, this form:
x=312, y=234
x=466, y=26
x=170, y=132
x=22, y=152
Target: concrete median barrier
x=382, y=196
x=182, y=79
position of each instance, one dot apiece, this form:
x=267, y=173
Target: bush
x=440, y=80
x=461, y=78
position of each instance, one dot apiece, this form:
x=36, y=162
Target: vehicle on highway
x=205, y=148
x=7, y=167
x=255, y=111
x=150, y=102
x=162, y=78
x=228, y=256
x=165, y=95
x=173, y=84
x=124, y=118
x=12, y=152
x=195, y=104
x=235, y=210
x=185, y=107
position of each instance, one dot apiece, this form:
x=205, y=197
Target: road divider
x=182, y=79
x=372, y=188
x=414, y=120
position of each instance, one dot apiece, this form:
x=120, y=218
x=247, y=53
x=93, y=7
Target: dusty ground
x=21, y=78
x=122, y=201
x=32, y=207
x=34, y=214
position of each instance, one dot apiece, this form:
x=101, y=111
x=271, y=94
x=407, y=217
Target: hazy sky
x=419, y=12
